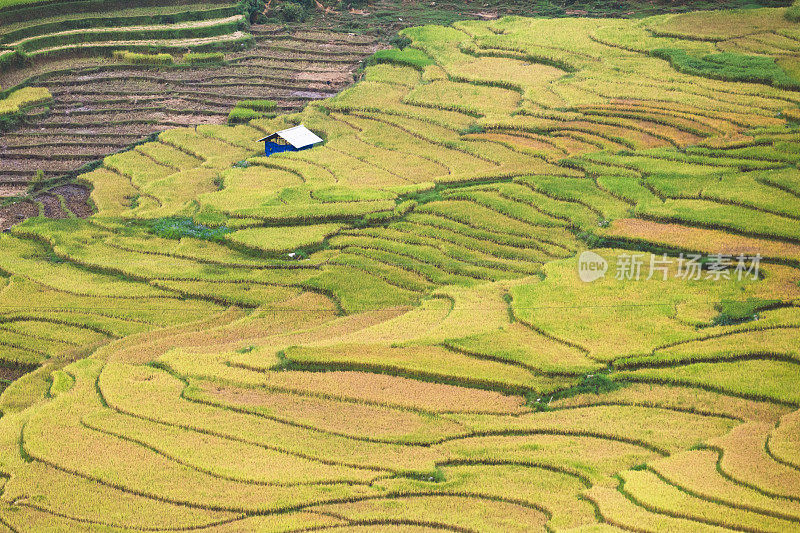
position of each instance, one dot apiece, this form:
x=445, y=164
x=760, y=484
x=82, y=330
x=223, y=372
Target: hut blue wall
x=274, y=148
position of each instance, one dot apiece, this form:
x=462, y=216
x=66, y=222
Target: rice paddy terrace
x=99, y=106
x=389, y=332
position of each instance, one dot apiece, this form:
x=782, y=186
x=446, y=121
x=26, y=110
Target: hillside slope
x=389, y=331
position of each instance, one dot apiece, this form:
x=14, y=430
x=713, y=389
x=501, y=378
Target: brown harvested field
x=335, y=416
x=746, y=461
x=16, y=213
x=59, y=202
x=395, y=391
x=99, y=108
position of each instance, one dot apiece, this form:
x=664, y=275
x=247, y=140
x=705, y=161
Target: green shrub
x=473, y=129
x=589, y=384
x=728, y=66
x=36, y=181
x=203, y=58
x=400, y=41
x=252, y=9
x=143, y=59
x=792, y=14
x=293, y=12
x=179, y=227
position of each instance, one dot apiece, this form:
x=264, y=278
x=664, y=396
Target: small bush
x=293, y=12
x=36, y=180
x=589, y=384
x=792, y=14
x=179, y=227
x=400, y=41
x=473, y=129
x=204, y=58
x=143, y=59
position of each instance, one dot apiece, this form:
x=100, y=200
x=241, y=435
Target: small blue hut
x=291, y=140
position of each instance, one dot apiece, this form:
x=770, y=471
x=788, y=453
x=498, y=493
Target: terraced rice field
x=389, y=331
x=102, y=108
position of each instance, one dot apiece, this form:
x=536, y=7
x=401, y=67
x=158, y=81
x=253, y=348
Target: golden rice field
x=391, y=331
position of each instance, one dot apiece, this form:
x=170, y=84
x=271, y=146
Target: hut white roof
x=298, y=136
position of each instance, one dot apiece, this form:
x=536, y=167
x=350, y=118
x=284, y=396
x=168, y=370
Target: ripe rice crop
x=283, y=239
x=115, y=384
x=203, y=58
x=423, y=363
x=453, y=511
x=464, y=97
x=169, y=156
x=769, y=380
x=698, y=239
x=782, y=444
x=657, y=430
x=652, y=493
x=680, y=399
x=522, y=345
x=223, y=457
x=782, y=342
x=697, y=472
x=621, y=511
x=592, y=458
x=22, y=98
x=708, y=214
x=745, y=460
x=143, y=59
x=388, y=73
x=340, y=417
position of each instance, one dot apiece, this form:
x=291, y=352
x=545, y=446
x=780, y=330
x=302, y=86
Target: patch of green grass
x=733, y=312
x=179, y=227
x=406, y=56
x=793, y=13
x=589, y=384
x=728, y=66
